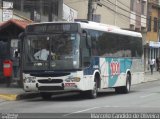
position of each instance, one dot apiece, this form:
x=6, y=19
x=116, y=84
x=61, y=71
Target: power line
x=77, y=1
x=125, y=9
x=123, y=4
x=121, y=14
x=130, y=13
x=126, y=6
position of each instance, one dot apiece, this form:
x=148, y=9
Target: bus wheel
x=128, y=84
x=124, y=89
x=45, y=95
x=93, y=93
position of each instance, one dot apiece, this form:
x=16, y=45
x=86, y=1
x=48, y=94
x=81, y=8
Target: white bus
x=81, y=56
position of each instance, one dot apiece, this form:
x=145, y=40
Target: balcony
x=143, y=21
x=133, y=18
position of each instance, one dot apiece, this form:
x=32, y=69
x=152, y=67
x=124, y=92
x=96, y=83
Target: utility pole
x=90, y=10
x=92, y=6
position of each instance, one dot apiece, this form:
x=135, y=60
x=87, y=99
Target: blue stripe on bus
x=94, y=66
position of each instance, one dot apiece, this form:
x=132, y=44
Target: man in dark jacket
x=157, y=63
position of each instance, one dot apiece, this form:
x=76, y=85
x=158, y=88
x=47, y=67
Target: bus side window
x=94, y=39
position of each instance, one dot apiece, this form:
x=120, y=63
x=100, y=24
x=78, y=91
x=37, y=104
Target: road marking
x=116, y=106
x=81, y=111
x=107, y=106
x=144, y=96
x=88, y=110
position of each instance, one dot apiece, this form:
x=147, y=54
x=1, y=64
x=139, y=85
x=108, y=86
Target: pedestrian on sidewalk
x=157, y=63
x=152, y=64
x=15, y=60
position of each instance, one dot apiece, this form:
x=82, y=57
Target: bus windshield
x=51, y=52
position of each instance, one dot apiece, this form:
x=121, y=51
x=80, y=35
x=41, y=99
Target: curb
x=8, y=97
x=27, y=96
x=150, y=80
x=15, y=97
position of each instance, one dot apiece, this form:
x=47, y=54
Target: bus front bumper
x=39, y=87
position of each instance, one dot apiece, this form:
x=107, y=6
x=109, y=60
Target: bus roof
x=108, y=28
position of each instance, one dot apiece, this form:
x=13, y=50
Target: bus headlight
x=29, y=80
x=73, y=79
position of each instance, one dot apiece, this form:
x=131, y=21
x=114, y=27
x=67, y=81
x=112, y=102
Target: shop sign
x=7, y=5
x=7, y=14
x=154, y=44
x=7, y=10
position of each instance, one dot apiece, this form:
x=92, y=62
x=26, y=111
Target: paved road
x=143, y=98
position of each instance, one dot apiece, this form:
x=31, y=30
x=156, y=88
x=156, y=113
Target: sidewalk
x=148, y=77
x=15, y=93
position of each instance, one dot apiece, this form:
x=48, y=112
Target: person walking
x=157, y=63
x=151, y=63
x=15, y=60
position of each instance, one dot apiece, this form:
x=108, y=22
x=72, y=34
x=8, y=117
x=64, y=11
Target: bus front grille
x=50, y=81
x=49, y=88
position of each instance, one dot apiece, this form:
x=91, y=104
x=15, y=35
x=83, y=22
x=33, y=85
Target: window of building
x=155, y=24
x=158, y=23
x=138, y=1
x=0, y=3
x=17, y=4
x=53, y=6
x=149, y=23
x=132, y=5
x=45, y=7
x=143, y=6
x=29, y=5
x=97, y=18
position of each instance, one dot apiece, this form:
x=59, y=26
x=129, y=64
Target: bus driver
x=42, y=54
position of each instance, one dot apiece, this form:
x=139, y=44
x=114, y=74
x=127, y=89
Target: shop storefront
x=151, y=50
x=154, y=49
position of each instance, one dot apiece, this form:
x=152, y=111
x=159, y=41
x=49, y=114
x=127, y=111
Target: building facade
x=152, y=38
x=37, y=10
x=121, y=13
x=113, y=12
x=138, y=22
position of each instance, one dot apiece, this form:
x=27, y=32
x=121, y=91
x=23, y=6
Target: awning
x=20, y=23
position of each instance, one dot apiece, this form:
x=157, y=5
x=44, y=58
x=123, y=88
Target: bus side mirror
x=88, y=39
x=89, y=42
